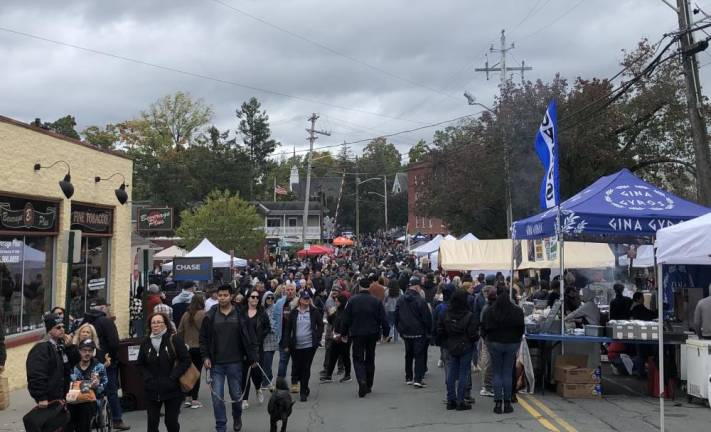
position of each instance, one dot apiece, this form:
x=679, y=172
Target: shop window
x=25, y=281
x=90, y=277
x=273, y=222
x=292, y=222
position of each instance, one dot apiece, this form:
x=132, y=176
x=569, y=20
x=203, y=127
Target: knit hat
x=51, y=321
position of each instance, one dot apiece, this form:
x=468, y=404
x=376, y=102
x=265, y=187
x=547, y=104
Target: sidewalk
x=20, y=404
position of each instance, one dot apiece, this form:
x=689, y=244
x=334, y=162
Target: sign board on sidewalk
x=192, y=268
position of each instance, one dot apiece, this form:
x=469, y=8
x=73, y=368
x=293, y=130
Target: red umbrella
x=315, y=250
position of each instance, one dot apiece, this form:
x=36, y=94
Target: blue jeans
x=458, y=376
x=112, y=391
x=502, y=357
x=266, y=363
x=233, y=373
x=393, y=330
x=283, y=363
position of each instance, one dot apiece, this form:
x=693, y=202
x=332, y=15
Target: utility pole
x=307, y=191
x=385, y=195
x=501, y=67
x=357, y=182
x=702, y=154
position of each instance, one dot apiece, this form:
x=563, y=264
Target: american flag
x=280, y=190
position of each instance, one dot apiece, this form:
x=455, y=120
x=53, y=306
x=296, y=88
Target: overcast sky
x=367, y=67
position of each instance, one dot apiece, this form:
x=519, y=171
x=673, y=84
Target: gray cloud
x=436, y=44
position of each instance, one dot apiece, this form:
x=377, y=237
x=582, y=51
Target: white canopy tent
x=685, y=243
x=431, y=246
x=581, y=255
x=207, y=249
x=469, y=236
x=645, y=257
x=458, y=255
x=170, y=253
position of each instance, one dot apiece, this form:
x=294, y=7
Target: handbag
x=51, y=419
x=191, y=376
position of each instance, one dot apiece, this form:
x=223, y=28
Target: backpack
x=458, y=342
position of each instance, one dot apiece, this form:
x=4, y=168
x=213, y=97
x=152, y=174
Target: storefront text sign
x=17, y=214
x=92, y=219
x=193, y=268
x=155, y=219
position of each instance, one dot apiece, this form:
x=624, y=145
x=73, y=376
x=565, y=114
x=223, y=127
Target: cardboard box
x=579, y=391
x=572, y=369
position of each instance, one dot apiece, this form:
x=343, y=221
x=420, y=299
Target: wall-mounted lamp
x=121, y=194
x=66, y=183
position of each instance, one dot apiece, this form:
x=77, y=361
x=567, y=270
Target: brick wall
x=21, y=147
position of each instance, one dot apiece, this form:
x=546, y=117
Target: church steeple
x=294, y=177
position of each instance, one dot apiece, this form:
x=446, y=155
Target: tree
x=104, y=139
x=418, y=151
x=64, y=126
x=177, y=118
x=256, y=137
x=229, y=222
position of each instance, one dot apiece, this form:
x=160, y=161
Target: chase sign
x=192, y=268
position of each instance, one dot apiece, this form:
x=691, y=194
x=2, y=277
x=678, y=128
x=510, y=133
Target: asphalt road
x=394, y=406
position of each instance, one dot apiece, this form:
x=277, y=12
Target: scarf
x=156, y=339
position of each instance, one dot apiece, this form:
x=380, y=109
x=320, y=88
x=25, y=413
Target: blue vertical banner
x=547, y=149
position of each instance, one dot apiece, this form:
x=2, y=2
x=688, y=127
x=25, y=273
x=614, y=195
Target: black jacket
x=365, y=316
x=263, y=325
x=503, y=331
x=161, y=370
x=316, y=328
x=47, y=373
x=458, y=331
x=620, y=308
x=642, y=313
x=247, y=342
x=107, y=332
x=412, y=315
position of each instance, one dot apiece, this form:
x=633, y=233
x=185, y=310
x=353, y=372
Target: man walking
x=282, y=309
x=225, y=340
x=413, y=321
x=365, y=320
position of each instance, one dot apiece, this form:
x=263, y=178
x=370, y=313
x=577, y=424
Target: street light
x=121, y=194
x=357, y=196
x=471, y=100
x=66, y=183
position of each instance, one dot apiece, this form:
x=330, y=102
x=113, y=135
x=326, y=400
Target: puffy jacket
x=412, y=315
x=47, y=373
x=365, y=316
x=162, y=369
x=289, y=341
x=458, y=331
x=107, y=332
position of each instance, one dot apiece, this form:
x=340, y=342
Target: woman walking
x=503, y=328
x=390, y=303
x=189, y=330
x=340, y=348
x=271, y=344
x=303, y=331
x=162, y=359
x=259, y=326
x=457, y=329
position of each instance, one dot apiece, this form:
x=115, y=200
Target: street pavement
x=394, y=406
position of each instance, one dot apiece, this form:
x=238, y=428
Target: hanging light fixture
x=121, y=194
x=66, y=183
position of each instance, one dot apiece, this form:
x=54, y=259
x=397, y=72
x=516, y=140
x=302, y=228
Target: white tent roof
x=492, y=255
x=469, y=236
x=645, y=257
x=207, y=249
x=685, y=243
x=169, y=253
x=581, y=255
x=432, y=245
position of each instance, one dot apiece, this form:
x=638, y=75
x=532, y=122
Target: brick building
x=418, y=174
x=35, y=218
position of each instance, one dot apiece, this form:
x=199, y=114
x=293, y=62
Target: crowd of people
x=232, y=331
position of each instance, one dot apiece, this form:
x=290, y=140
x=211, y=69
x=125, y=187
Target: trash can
x=132, y=395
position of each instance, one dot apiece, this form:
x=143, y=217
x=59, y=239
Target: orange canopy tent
x=315, y=250
x=342, y=241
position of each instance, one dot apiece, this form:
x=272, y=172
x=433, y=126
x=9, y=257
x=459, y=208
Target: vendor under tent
x=315, y=250
x=686, y=243
x=618, y=208
x=219, y=258
x=170, y=253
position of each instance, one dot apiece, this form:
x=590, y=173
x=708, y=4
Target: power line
x=530, y=13
x=199, y=75
x=555, y=20
x=331, y=50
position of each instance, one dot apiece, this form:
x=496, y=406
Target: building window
x=292, y=222
x=90, y=276
x=25, y=281
x=273, y=223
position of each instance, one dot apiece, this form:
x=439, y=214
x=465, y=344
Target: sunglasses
x=255, y=297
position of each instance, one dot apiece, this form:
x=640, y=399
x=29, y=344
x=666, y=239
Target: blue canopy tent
x=619, y=208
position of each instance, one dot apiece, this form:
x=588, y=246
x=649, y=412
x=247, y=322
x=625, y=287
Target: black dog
x=280, y=405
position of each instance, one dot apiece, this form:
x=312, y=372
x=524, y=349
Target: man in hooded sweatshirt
x=413, y=321
x=182, y=301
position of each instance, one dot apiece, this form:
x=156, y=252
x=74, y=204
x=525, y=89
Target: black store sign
x=92, y=220
x=28, y=215
x=194, y=269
